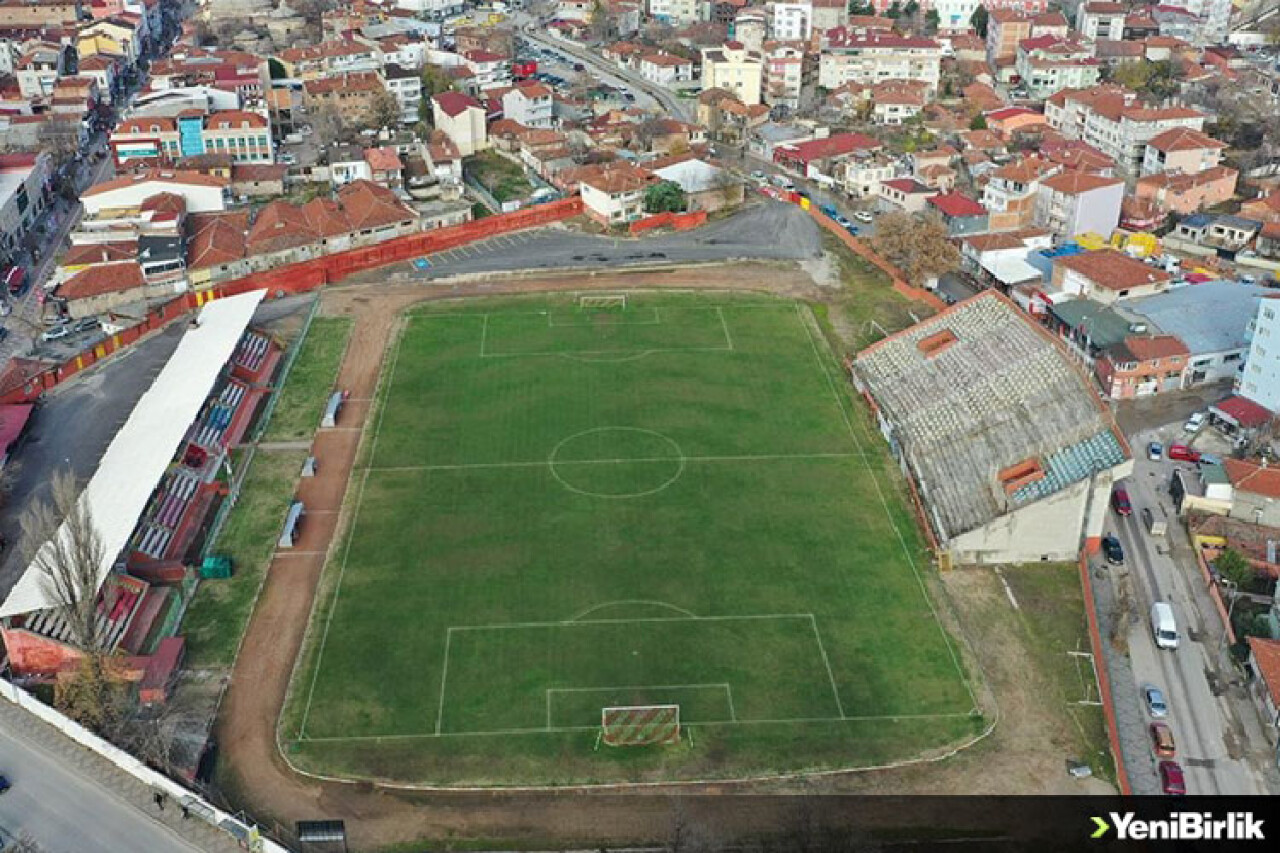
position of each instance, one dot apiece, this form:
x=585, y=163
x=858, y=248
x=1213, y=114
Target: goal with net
x=640, y=725
x=603, y=302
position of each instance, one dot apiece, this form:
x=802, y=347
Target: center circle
x=616, y=462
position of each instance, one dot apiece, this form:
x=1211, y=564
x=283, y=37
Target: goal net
x=640, y=725
x=608, y=302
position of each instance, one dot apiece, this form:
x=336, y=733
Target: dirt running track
x=264, y=785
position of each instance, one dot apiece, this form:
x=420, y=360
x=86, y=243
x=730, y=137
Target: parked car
x=1183, y=453
x=85, y=324
x=1120, y=501
x=843, y=223
x=1112, y=550
x=1162, y=740
x=1171, y=779
x=55, y=333
x=5, y=308
x=1155, y=451
x=288, y=159
x=862, y=216
x=15, y=281
x=1154, y=697
x=852, y=229
x=1195, y=422
x=4, y=784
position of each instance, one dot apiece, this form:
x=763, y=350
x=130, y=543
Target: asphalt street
x=768, y=231
x=1211, y=735
x=65, y=811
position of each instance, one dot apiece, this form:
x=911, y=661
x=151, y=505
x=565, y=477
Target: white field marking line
x=484, y=334
x=822, y=649
x=559, y=729
x=621, y=354
x=550, y=690
x=350, y=533
x=498, y=626
x=866, y=461
x=552, y=324
x=728, y=339
x=593, y=608
x=444, y=675
x=765, y=457
x=285, y=553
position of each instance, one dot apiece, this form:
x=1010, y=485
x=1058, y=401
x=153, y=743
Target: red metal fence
x=298, y=278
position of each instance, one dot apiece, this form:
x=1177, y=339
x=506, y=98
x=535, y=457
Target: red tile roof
x=832, y=146
x=453, y=104
x=957, y=205
x=1075, y=183
x=1243, y=411
x=1253, y=478
x=1266, y=659
x=102, y=279
x=216, y=238
x=1155, y=347
x=1112, y=270
x=1184, y=139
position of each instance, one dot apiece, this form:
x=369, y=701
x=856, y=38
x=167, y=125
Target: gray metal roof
x=1208, y=318
x=1102, y=323
x=1002, y=393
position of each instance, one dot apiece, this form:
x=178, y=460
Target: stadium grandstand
x=149, y=498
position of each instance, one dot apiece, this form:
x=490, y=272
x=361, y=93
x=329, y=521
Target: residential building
x=405, y=85
x=872, y=57
x=665, y=69
x=1001, y=259
x=860, y=176
x=1011, y=192
x=785, y=74
x=1006, y=29
x=200, y=193
x=39, y=68
x=790, y=21
x=1106, y=276
x=51, y=14
x=961, y=214
x=1140, y=366
x=1182, y=149
x=1068, y=111
x=24, y=195
x=1122, y=132
x=346, y=164
x=678, y=13
x=490, y=69
x=1187, y=193
x=529, y=103
x=735, y=69
x=462, y=118
x=1048, y=64
x=351, y=94
x=829, y=14
x=706, y=186
x=1073, y=203
x=1264, y=662
x=244, y=136
x=1101, y=20
x=1027, y=476
x=817, y=159
x=905, y=195
x=1260, y=381
x=613, y=193
x=895, y=101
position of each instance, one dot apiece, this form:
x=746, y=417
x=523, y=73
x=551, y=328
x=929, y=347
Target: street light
x=1226, y=628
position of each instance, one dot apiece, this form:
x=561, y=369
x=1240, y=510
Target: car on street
x=15, y=281
x=1162, y=740
x=852, y=229
x=55, y=333
x=1171, y=779
x=1183, y=453
x=1195, y=422
x=1155, y=451
x=288, y=159
x=85, y=324
x=1112, y=550
x=1120, y=501
x=862, y=216
x=843, y=223
x=5, y=308
x=1154, y=698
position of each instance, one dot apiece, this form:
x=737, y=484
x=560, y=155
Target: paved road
x=770, y=231
x=68, y=812
x=1212, y=735
x=674, y=107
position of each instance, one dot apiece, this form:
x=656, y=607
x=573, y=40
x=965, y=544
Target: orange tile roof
x=101, y=279
x=1075, y=183
x=1266, y=658
x=1113, y=270
x=1253, y=478
x=1155, y=347
x=1184, y=139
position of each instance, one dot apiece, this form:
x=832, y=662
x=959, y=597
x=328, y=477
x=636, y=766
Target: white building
x=1122, y=132
x=678, y=13
x=1101, y=20
x=405, y=85
x=1073, y=203
x=461, y=117
x=1260, y=381
x=22, y=196
x=870, y=57
x=530, y=104
x=790, y=21
x=1048, y=64
x=201, y=193
x=735, y=69
x=665, y=69
x=860, y=177
x=784, y=75
x=1214, y=17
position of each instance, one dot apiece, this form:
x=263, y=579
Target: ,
x=1154, y=698
x=1171, y=779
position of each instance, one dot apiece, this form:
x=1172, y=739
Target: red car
x=1171, y=778
x=1184, y=453
x=1120, y=501
x=1162, y=740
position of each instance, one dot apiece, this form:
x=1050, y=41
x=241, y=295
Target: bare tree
x=919, y=247
x=63, y=542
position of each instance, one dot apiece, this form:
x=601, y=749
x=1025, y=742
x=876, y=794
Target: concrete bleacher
x=218, y=415
x=976, y=390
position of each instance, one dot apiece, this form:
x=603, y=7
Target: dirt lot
x=1019, y=757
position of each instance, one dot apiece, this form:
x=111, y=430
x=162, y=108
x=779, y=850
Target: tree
x=856, y=7
x=384, y=111
x=978, y=122
x=979, y=20
x=895, y=10
x=932, y=20
x=919, y=247
x=910, y=9
x=434, y=81
x=1233, y=566
x=59, y=137
x=329, y=125
x=664, y=197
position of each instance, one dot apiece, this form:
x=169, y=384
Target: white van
x=1163, y=626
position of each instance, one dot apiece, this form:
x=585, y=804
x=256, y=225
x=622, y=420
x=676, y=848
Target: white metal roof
x=138, y=456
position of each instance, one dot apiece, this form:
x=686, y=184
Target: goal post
x=640, y=725
x=603, y=302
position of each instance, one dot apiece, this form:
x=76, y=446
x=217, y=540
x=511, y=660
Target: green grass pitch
x=568, y=508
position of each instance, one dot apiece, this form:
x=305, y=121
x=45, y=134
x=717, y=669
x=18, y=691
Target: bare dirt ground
x=1013, y=760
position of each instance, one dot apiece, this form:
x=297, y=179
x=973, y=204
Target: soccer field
x=567, y=506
